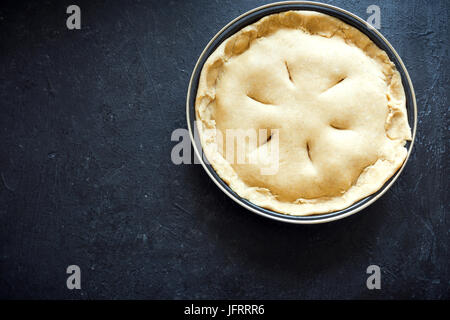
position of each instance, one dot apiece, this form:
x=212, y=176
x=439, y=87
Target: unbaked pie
x=320, y=96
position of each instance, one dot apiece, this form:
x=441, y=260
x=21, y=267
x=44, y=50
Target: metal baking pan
x=351, y=19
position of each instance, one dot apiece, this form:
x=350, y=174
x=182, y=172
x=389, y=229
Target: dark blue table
x=86, y=119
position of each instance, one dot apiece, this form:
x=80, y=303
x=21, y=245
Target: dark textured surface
x=86, y=177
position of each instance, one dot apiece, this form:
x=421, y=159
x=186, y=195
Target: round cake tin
x=253, y=16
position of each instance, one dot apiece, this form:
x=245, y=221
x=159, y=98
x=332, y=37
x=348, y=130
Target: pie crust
x=332, y=98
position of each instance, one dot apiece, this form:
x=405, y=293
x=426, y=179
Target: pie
x=311, y=93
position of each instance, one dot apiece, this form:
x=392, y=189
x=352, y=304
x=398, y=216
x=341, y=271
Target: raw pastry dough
x=335, y=97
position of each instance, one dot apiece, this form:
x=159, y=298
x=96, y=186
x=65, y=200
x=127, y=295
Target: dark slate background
x=86, y=177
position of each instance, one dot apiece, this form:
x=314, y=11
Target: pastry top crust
x=325, y=93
